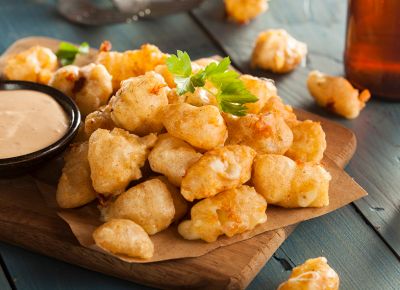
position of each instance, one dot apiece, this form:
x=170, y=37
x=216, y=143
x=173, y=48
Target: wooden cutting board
x=37, y=227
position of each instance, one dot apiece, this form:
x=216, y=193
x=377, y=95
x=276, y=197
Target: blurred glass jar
x=372, y=52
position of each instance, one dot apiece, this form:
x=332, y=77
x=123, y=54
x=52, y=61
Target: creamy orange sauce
x=29, y=121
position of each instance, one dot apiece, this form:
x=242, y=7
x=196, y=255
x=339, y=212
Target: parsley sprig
x=67, y=52
x=231, y=94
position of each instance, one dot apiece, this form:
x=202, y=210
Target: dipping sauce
x=29, y=121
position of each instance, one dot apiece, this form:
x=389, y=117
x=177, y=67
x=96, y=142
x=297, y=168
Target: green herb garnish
x=67, y=52
x=231, y=94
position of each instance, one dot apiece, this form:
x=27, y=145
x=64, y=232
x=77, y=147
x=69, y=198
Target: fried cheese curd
x=286, y=183
x=202, y=127
x=265, y=133
x=172, y=157
x=314, y=274
x=35, y=64
x=337, y=94
x=130, y=63
x=75, y=188
x=115, y=158
x=99, y=119
x=309, y=142
x=275, y=105
x=149, y=204
x=218, y=170
x=242, y=11
x=277, y=51
x=262, y=88
x=90, y=86
x=137, y=104
x=124, y=237
x=230, y=212
x=163, y=70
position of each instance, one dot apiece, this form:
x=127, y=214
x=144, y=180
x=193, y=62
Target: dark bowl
x=22, y=164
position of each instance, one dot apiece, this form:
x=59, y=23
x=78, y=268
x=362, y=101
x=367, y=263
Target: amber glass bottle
x=372, y=53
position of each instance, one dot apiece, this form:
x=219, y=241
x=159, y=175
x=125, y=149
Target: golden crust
x=35, y=64
x=75, y=186
x=202, y=127
x=289, y=184
x=124, y=237
x=230, y=212
x=149, y=204
x=90, y=86
x=277, y=51
x=265, y=133
x=218, y=170
x=99, y=119
x=309, y=142
x=313, y=274
x=242, y=11
x=172, y=157
x=131, y=63
x=137, y=105
x=116, y=157
x=337, y=94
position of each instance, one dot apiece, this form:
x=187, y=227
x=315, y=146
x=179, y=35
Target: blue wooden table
x=361, y=241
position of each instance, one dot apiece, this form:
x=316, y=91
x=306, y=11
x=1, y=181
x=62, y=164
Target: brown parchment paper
x=168, y=244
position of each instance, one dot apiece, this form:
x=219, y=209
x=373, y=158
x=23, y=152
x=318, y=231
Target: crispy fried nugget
x=262, y=88
x=277, y=51
x=218, y=170
x=35, y=64
x=138, y=103
x=90, y=86
x=230, y=212
x=116, y=157
x=202, y=127
x=75, y=186
x=314, y=274
x=124, y=237
x=289, y=184
x=172, y=157
x=265, y=133
x=149, y=204
x=275, y=105
x=131, y=63
x=180, y=204
x=337, y=94
x=242, y=11
x=99, y=119
x=309, y=142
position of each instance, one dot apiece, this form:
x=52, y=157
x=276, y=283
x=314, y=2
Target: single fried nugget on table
x=149, y=204
x=262, y=88
x=124, y=237
x=115, y=158
x=130, y=63
x=180, y=204
x=265, y=133
x=35, y=64
x=137, y=105
x=75, y=186
x=277, y=51
x=99, y=119
x=309, y=142
x=202, y=127
x=242, y=11
x=286, y=183
x=218, y=170
x=230, y=212
x=172, y=157
x=314, y=274
x=337, y=94
x=90, y=86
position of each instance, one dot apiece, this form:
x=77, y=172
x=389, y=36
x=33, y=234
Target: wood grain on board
x=38, y=228
x=322, y=25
